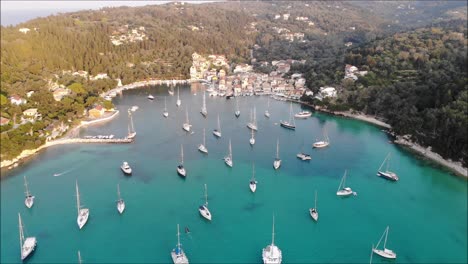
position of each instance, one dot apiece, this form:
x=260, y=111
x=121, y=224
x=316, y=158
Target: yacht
x=252, y=139
x=165, y=112
x=304, y=156
x=303, y=114
x=217, y=131
x=180, y=168
x=126, y=168
x=389, y=175
x=253, y=124
x=186, y=126
x=313, y=211
x=150, y=97
x=271, y=254
x=178, y=102
x=291, y=124
x=322, y=143
x=178, y=254
x=203, y=111
x=27, y=245
x=203, y=209
x=228, y=158
x=29, y=201
x=120, y=201
x=83, y=213
x=385, y=252
x=342, y=189
x=277, y=162
x=202, y=147
x=253, y=182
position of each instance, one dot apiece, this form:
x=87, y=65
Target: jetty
x=119, y=89
x=93, y=140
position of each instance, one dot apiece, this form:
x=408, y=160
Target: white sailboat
x=342, y=189
x=203, y=111
x=217, y=131
x=202, y=147
x=291, y=124
x=277, y=162
x=387, y=174
x=178, y=102
x=120, y=201
x=271, y=254
x=228, y=158
x=170, y=91
x=178, y=254
x=237, y=113
x=303, y=114
x=203, y=209
x=83, y=213
x=313, y=211
x=165, y=112
x=131, y=128
x=252, y=139
x=322, y=143
x=267, y=113
x=303, y=156
x=385, y=253
x=253, y=123
x=186, y=126
x=27, y=245
x=253, y=182
x=181, y=169
x=29, y=201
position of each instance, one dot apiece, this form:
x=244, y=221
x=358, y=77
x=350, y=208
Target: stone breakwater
x=139, y=84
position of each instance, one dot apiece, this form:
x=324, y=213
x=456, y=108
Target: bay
x=426, y=209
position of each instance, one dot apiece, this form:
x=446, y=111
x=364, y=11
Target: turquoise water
x=426, y=209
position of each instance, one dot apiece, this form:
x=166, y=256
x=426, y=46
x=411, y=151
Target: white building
x=327, y=91
x=24, y=30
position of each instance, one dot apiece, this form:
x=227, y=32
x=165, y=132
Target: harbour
x=157, y=199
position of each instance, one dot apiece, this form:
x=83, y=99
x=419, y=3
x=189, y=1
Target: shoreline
x=454, y=166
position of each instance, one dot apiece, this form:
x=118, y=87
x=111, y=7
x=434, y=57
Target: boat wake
x=62, y=173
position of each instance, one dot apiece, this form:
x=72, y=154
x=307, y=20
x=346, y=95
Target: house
x=31, y=113
x=60, y=93
x=24, y=30
x=286, y=16
x=99, y=76
x=96, y=112
x=277, y=16
x=302, y=18
x=17, y=100
x=243, y=68
x=28, y=94
x=83, y=74
x=4, y=121
x=327, y=92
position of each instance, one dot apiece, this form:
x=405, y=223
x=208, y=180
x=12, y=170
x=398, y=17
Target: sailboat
x=203, y=209
x=237, y=113
x=165, y=112
x=303, y=156
x=178, y=254
x=186, y=126
x=291, y=124
x=217, y=131
x=387, y=174
x=29, y=201
x=252, y=139
x=228, y=158
x=253, y=182
x=202, y=147
x=83, y=213
x=151, y=97
x=267, y=113
x=253, y=123
x=342, y=189
x=178, y=98
x=131, y=128
x=120, y=201
x=170, y=91
x=271, y=254
x=79, y=258
x=27, y=245
x=203, y=111
x=180, y=169
x=323, y=143
x=385, y=253
x=277, y=162
x=313, y=211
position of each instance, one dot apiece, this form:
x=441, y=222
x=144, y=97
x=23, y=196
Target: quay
x=119, y=89
x=94, y=140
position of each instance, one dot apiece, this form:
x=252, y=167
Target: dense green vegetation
x=416, y=81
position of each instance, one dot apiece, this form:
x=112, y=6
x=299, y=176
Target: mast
x=204, y=101
x=371, y=253
x=252, y=133
x=77, y=197
x=253, y=171
x=219, y=126
x=181, y=154
x=386, y=235
x=206, y=196
x=178, y=238
x=178, y=93
x=343, y=180
x=230, y=149
x=388, y=162
x=254, y=117
x=26, y=186
x=273, y=232
x=186, y=116
x=79, y=257
x=381, y=165
x=165, y=107
x=118, y=191
x=204, y=137
x=315, y=206
x=21, y=233
x=237, y=104
x=277, y=149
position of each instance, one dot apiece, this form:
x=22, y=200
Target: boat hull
x=320, y=144
x=344, y=192
x=217, y=133
x=267, y=114
x=252, y=126
x=228, y=161
x=237, y=114
x=28, y=247
x=180, y=258
x=202, y=149
x=204, y=113
x=29, y=201
x=272, y=255
x=277, y=164
x=186, y=127
x=313, y=214
x=252, y=141
x=386, y=253
x=253, y=186
x=205, y=212
x=388, y=175
x=178, y=102
x=287, y=125
x=121, y=207
x=166, y=114
x=181, y=172
x=82, y=218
